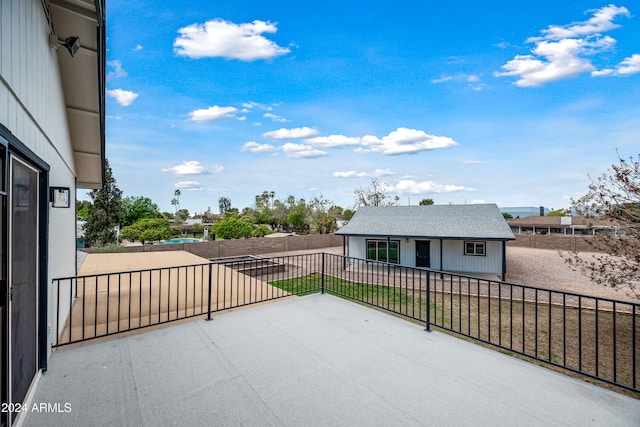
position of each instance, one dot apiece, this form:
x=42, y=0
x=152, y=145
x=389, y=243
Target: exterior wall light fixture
x=71, y=43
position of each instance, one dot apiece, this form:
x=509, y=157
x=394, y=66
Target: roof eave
x=426, y=237
x=83, y=82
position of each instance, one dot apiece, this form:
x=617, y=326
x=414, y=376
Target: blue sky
x=463, y=102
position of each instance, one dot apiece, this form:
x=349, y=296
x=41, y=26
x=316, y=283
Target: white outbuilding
x=456, y=238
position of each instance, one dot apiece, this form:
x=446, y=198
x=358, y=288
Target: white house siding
x=32, y=108
x=408, y=252
x=358, y=249
x=453, y=258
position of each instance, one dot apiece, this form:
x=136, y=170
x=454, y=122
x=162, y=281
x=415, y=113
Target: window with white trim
x=475, y=248
x=377, y=251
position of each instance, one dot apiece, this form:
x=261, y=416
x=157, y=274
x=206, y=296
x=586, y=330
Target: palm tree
x=177, y=193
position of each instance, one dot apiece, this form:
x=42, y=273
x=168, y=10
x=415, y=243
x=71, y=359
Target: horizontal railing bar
x=495, y=282
x=132, y=271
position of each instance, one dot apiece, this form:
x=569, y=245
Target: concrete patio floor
x=314, y=360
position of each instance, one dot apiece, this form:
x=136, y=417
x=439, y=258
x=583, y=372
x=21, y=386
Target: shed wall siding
x=357, y=247
x=455, y=260
x=453, y=255
x=32, y=108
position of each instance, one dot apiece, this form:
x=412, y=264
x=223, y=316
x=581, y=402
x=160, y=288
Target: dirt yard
x=546, y=269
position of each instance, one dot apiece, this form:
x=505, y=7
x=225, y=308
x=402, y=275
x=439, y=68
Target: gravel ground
x=546, y=269
x=543, y=268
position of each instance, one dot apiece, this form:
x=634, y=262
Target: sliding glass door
x=23, y=276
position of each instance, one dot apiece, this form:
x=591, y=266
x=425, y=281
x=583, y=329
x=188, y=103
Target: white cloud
x=254, y=147
x=442, y=79
x=213, y=113
x=295, y=133
x=562, y=61
x=628, y=66
x=407, y=141
x=301, y=151
x=189, y=185
x=219, y=38
x=561, y=51
x=138, y=48
x=378, y=173
x=217, y=169
x=472, y=162
x=400, y=141
x=123, y=97
x=475, y=83
x=472, y=80
x=349, y=174
x=334, y=141
x=115, y=70
x=601, y=21
x=192, y=167
x=275, y=118
x=411, y=186
x=250, y=105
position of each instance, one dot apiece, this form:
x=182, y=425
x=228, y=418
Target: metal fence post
x=428, y=311
x=210, y=289
x=322, y=268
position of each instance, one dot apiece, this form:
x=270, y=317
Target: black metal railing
x=596, y=337
x=100, y=305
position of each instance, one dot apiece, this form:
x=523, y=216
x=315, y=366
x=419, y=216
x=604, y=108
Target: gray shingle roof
x=436, y=221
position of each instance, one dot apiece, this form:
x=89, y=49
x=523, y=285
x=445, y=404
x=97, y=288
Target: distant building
x=563, y=225
x=525, y=211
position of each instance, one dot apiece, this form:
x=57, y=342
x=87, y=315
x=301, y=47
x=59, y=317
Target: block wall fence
x=267, y=245
x=251, y=246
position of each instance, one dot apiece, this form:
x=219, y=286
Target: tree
x=559, y=212
x=224, y=204
x=177, y=195
x=348, y=214
x=147, y=230
x=105, y=212
x=615, y=198
x=261, y=231
x=82, y=209
x=507, y=215
x=263, y=208
x=323, y=215
x=297, y=216
x=182, y=215
x=232, y=227
x=375, y=195
x=426, y=202
x=280, y=213
x=135, y=208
